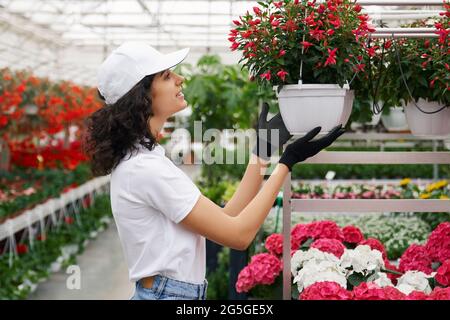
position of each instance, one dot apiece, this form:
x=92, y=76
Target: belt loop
x=161, y=285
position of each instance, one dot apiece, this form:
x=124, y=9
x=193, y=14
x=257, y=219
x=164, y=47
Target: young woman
x=161, y=216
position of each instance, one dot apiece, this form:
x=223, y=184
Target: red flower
x=257, y=11
x=254, y=22
x=21, y=248
x=245, y=281
x=443, y=274
x=3, y=121
x=282, y=74
x=388, y=44
x=290, y=26
x=368, y=291
x=236, y=22
x=278, y=4
x=299, y=234
x=68, y=220
x=331, y=57
x=282, y=53
x=415, y=258
x=274, y=244
x=306, y=44
x=275, y=23
x=317, y=34
x=417, y=295
x=265, y=268
x=332, y=246
x=325, y=229
x=438, y=244
x=234, y=46
x=266, y=76
x=440, y=294
x=360, y=67
x=325, y=290
x=352, y=234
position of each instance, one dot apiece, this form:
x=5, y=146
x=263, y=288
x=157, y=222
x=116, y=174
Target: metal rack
x=55, y=208
x=363, y=205
x=356, y=205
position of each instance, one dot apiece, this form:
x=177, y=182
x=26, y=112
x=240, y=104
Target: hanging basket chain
x=406, y=84
x=376, y=109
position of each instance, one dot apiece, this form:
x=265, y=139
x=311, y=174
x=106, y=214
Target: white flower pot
x=306, y=106
x=422, y=124
x=395, y=121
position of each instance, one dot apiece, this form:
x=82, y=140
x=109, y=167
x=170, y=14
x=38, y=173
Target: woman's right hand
x=303, y=147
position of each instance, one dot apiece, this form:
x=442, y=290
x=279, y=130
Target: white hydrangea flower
x=383, y=280
x=314, y=271
x=414, y=281
x=362, y=260
x=300, y=257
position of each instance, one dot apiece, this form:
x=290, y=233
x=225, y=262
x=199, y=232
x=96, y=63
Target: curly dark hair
x=114, y=130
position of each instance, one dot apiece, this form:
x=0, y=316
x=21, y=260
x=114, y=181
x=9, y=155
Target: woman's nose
x=180, y=79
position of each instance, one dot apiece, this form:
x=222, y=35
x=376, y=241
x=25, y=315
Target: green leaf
x=307, y=244
x=355, y=279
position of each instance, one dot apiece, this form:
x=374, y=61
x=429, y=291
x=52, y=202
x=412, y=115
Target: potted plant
x=309, y=52
x=419, y=79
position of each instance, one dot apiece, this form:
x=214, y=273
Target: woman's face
x=166, y=94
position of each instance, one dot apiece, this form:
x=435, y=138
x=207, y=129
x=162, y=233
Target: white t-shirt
x=150, y=195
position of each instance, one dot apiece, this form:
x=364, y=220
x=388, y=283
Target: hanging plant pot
x=423, y=124
x=395, y=121
x=306, y=106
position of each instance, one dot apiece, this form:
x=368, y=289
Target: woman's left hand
x=268, y=141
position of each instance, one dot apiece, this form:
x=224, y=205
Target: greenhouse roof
x=68, y=39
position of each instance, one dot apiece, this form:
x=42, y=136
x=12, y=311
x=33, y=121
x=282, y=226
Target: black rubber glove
x=303, y=147
x=267, y=142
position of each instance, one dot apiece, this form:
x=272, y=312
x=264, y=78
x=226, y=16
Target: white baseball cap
x=129, y=64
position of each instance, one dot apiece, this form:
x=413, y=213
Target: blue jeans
x=164, y=288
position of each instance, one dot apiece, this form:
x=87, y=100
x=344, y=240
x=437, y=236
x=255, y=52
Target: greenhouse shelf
x=355, y=205
x=50, y=207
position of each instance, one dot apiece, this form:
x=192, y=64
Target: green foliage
x=222, y=95
x=17, y=282
x=218, y=279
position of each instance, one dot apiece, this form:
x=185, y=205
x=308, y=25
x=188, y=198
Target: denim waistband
x=166, y=287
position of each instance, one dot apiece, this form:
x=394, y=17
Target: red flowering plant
x=419, y=67
x=11, y=97
x=324, y=42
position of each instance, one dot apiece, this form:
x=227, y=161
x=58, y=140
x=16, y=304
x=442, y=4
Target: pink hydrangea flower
x=438, y=244
x=325, y=290
x=332, y=246
x=443, y=273
x=352, y=234
x=440, y=294
x=245, y=281
x=326, y=229
x=415, y=258
x=265, y=268
x=417, y=295
x=274, y=244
